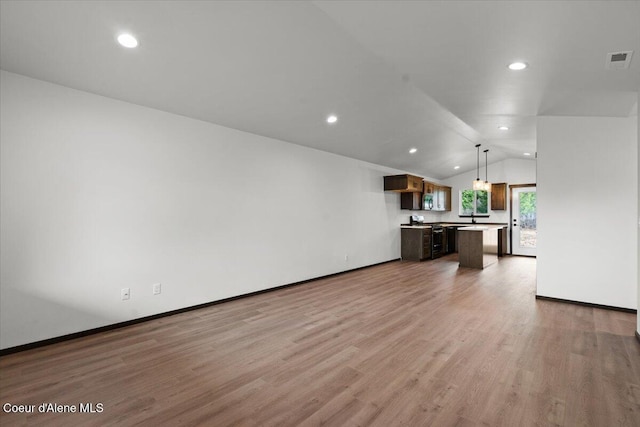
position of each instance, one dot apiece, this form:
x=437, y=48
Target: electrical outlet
x=157, y=288
x=125, y=293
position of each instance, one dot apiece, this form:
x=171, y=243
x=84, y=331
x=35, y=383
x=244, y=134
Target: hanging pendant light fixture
x=486, y=184
x=478, y=184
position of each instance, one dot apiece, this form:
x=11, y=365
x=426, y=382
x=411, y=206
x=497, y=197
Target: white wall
x=99, y=195
x=638, y=236
x=511, y=171
x=587, y=207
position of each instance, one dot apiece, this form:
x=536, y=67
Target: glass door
x=523, y=221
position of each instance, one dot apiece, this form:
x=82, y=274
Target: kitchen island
x=478, y=246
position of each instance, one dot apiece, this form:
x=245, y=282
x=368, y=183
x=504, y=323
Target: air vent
x=619, y=60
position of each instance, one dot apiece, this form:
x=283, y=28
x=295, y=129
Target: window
x=474, y=202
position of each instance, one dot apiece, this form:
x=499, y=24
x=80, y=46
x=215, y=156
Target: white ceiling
x=431, y=75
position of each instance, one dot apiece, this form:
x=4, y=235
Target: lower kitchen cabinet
x=502, y=241
x=415, y=243
x=452, y=239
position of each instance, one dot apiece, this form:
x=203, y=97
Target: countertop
x=481, y=227
x=461, y=225
x=477, y=224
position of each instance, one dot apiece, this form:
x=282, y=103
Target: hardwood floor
x=399, y=344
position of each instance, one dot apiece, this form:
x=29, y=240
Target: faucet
x=473, y=219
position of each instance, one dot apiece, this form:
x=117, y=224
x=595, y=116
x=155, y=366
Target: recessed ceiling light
x=503, y=127
x=517, y=66
x=413, y=150
x=127, y=40
x=332, y=119
x=456, y=167
x=527, y=154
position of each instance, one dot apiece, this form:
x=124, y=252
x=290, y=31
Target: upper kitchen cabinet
x=437, y=197
x=411, y=201
x=419, y=195
x=429, y=187
x=403, y=183
x=443, y=198
x=499, y=196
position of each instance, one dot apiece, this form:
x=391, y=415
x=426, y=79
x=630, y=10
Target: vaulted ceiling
x=431, y=75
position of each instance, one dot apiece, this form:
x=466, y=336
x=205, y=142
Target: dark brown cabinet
x=410, y=188
x=499, y=196
x=415, y=243
x=429, y=187
x=438, y=195
x=412, y=201
x=452, y=239
x=502, y=241
x=414, y=192
x=443, y=199
x=403, y=183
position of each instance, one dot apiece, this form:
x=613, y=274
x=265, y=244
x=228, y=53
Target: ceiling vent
x=619, y=60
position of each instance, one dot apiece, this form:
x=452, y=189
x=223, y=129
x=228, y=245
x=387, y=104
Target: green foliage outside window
x=482, y=202
x=474, y=202
x=467, y=197
x=528, y=203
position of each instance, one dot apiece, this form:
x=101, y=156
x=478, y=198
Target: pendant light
x=478, y=184
x=486, y=184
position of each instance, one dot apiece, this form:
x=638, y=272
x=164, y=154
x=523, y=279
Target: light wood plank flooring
x=399, y=344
